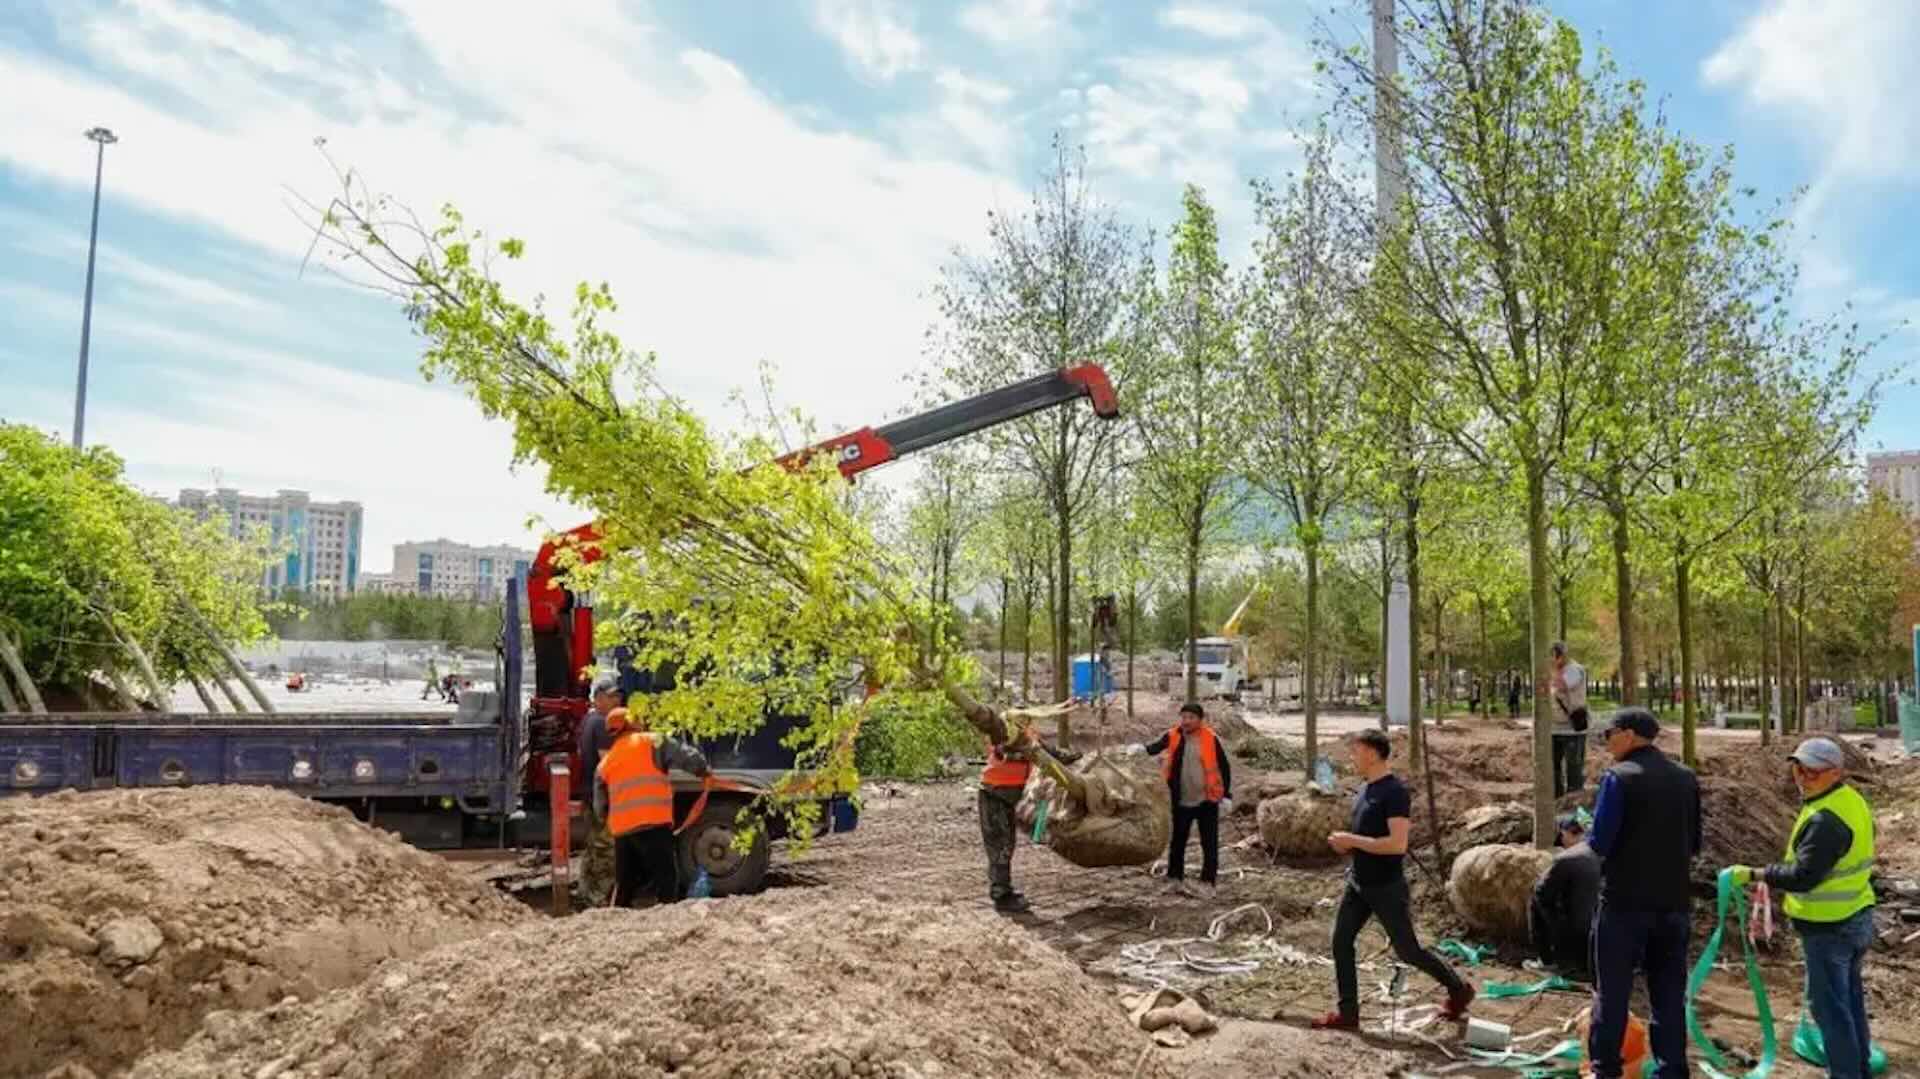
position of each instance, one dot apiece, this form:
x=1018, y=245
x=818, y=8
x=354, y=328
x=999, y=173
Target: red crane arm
x=559, y=655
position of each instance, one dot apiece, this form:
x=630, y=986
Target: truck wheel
x=709, y=845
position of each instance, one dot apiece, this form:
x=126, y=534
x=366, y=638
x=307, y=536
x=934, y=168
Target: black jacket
x=1647, y=830
x=1569, y=891
x=1159, y=746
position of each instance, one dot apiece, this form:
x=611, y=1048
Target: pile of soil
x=125, y=916
x=1747, y=807
x=792, y=984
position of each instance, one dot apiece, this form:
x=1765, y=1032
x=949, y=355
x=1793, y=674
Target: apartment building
x=317, y=543
x=442, y=567
x=1898, y=476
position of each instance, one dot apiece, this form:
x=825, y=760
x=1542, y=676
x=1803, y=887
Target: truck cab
x=1220, y=666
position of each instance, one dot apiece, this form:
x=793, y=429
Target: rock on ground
x=1491, y=884
x=794, y=984
x=127, y=915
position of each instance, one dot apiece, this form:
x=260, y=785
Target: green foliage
x=907, y=735
x=460, y=623
x=89, y=566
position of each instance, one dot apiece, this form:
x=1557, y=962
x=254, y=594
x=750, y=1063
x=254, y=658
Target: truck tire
x=709, y=845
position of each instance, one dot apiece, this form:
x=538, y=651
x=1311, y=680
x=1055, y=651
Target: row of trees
x=1555, y=340
x=109, y=597
x=369, y=617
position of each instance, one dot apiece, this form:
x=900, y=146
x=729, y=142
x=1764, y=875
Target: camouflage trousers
x=998, y=834
x=596, y=870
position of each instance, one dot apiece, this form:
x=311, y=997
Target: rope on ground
x=1189, y=962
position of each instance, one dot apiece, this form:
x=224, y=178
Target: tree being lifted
x=765, y=582
x=103, y=589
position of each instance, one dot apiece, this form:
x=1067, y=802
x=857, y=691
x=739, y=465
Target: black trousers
x=1560, y=944
x=646, y=856
x=1392, y=904
x=1569, y=762
x=1207, y=815
x=1626, y=941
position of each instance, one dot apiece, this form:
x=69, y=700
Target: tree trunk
x=233, y=661
x=1062, y=613
x=1561, y=586
x=1416, y=734
x=1689, y=710
x=1782, y=654
x=123, y=689
x=1486, y=663
x=200, y=691
x=1310, y=669
x=1193, y=615
x=1766, y=667
x=1006, y=595
x=1026, y=641
x=162, y=699
x=8, y=702
x=1133, y=618
x=1801, y=689
x=233, y=699
x=1386, y=618
x=10, y=655
x=1623, y=600
x=1443, y=671
x=1538, y=597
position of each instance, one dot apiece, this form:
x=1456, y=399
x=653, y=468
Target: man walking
x=1646, y=829
x=596, y=872
x=1829, y=895
x=1560, y=914
x=1199, y=779
x=1570, y=722
x=1377, y=886
x=633, y=793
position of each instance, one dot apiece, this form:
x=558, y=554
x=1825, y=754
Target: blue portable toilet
x=1091, y=678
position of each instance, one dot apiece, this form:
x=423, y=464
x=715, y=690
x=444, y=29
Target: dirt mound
x=1490, y=886
x=804, y=986
x=1126, y=819
x=127, y=915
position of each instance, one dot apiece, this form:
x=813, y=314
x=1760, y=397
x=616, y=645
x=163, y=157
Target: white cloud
x=1224, y=23
x=1840, y=71
x=1021, y=23
x=872, y=33
x=38, y=236
x=961, y=85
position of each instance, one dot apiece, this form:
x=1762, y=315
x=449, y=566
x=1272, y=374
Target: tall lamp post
x=102, y=138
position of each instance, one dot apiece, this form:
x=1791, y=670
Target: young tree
x=1184, y=375
x=1049, y=291
x=1302, y=387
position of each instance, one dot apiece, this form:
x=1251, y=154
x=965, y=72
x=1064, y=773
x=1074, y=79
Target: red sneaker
x=1455, y=1009
x=1336, y=1021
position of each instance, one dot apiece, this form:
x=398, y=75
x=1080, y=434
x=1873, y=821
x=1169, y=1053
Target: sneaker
x=1336, y=1020
x=1011, y=903
x=1455, y=1009
x=1180, y=888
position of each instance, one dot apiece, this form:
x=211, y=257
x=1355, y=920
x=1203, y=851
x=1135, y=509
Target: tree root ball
x=1127, y=818
x=1491, y=883
x=1298, y=824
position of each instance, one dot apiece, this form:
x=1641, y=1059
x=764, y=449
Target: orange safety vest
x=1003, y=772
x=639, y=794
x=1209, y=760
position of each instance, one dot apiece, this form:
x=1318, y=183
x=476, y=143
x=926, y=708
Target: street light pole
x=102, y=138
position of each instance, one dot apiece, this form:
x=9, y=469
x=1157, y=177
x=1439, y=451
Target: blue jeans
x=1835, y=995
x=1625, y=941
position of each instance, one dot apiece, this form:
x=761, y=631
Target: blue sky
x=779, y=186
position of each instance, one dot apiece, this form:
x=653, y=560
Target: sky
x=760, y=183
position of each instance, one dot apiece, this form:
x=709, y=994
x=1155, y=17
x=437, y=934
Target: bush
x=908, y=733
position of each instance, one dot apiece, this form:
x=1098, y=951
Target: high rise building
x=317, y=543
x=457, y=570
x=1897, y=475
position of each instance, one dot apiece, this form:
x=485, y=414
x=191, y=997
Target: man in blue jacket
x=1646, y=830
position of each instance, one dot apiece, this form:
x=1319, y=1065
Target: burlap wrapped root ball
x=1298, y=824
x=1491, y=883
x=1127, y=818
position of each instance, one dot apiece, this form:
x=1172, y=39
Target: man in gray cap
x=1646, y=830
x=1826, y=878
x=596, y=875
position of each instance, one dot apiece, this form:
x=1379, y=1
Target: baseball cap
x=607, y=683
x=1638, y=720
x=1819, y=753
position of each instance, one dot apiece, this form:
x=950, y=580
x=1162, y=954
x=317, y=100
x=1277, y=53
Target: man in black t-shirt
x=1377, y=886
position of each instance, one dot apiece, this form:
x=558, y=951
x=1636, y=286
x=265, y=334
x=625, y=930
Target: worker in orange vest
x=1002, y=782
x=1199, y=778
x=633, y=793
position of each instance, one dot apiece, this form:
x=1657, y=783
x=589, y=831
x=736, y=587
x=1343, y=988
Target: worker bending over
x=633, y=791
x=1199, y=780
x=1829, y=895
x=1560, y=914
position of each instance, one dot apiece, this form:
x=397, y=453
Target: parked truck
x=485, y=775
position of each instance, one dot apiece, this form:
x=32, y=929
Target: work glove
x=1742, y=875
x=1226, y=807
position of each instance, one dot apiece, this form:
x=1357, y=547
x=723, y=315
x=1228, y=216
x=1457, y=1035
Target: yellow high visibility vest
x=1848, y=888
